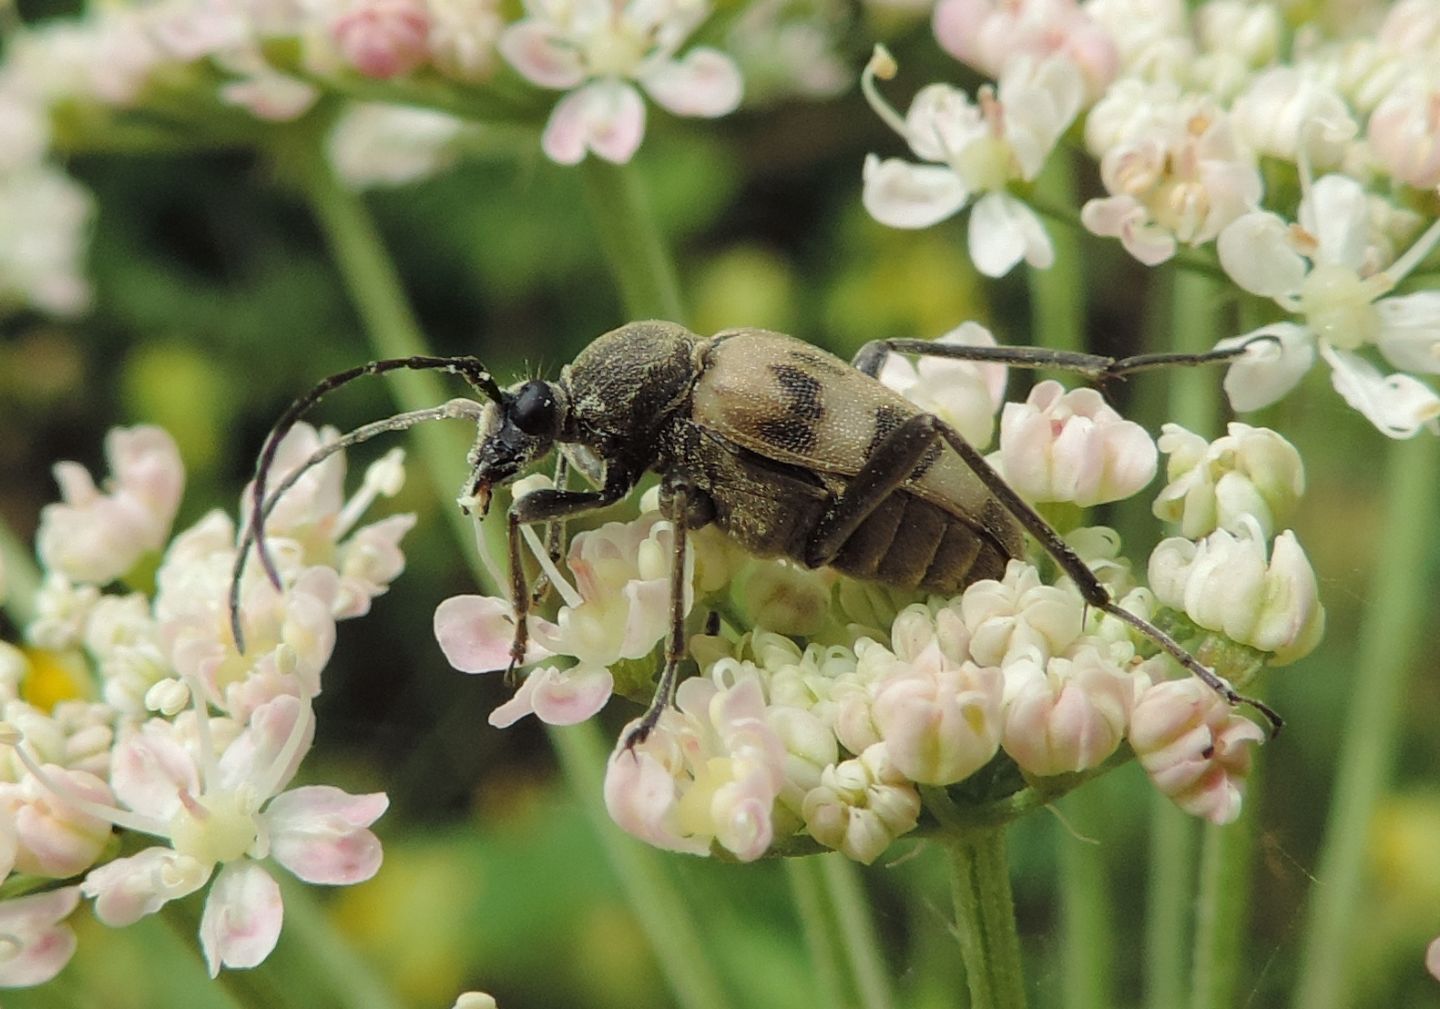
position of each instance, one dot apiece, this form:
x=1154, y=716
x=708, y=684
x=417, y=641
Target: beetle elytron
x=786, y=448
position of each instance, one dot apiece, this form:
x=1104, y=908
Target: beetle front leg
x=554, y=532
x=553, y=506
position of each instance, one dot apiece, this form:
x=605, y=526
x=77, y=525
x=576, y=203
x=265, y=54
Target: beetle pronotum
x=788, y=449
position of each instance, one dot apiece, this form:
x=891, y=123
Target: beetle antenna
x=468, y=368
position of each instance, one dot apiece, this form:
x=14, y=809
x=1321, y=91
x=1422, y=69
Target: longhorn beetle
x=786, y=448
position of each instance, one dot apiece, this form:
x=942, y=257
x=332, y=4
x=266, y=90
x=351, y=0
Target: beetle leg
x=889, y=465
x=873, y=355
x=675, y=503
x=1090, y=586
x=554, y=532
x=547, y=506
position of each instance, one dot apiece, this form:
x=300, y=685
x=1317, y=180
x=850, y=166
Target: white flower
x=94, y=537
x=1172, y=166
x=594, y=48
x=1290, y=113
x=1326, y=271
x=374, y=144
x=975, y=150
x=220, y=814
x=53, y=838
x=990, y=35
x=1194, y=747
x=859, y=806
x=1072, y=446
x=940, y=721
x=1250, y=471
x=964, y=394
x=711, y=770
x=1404, y=134
x=463, y=38
x=1227, y=583
x=1018, y=615
x=619, y=608
x=1067, y=714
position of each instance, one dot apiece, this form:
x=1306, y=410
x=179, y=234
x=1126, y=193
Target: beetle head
x=519, y=427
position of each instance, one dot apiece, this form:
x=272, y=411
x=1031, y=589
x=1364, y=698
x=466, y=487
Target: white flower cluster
x=136, y=710
x=822, y=717
x=1179, y=106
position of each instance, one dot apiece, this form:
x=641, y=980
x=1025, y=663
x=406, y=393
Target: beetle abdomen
x=910, y=543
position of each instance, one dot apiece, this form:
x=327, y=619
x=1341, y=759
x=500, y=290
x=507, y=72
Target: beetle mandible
x=788, y=449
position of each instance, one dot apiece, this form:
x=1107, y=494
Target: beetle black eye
x=534, y=408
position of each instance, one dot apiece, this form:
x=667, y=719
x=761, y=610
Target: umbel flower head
x=842, y=732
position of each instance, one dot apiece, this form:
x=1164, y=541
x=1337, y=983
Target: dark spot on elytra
x=802, y=391
x=814, y=360
x=791, y=433
x=887, y=418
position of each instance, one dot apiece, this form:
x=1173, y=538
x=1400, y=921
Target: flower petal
x=127, y=889
x=607, y=117
x=38, y=945
x=1410, y=331
x=573, y=696
x=904, y=195
x=539, y=54
x=1337, y=212
x=318, y=833
x=1270, y=367
x=241, y=923
x=475, y=633
x=1396, y=404
x=1255, y=252
x=1003, y=231
x=705, y=83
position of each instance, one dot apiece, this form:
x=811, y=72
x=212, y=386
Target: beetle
x=791, y=451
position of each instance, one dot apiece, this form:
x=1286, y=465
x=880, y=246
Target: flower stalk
x=1389, y=635
x=625, y=226
x=985, y=919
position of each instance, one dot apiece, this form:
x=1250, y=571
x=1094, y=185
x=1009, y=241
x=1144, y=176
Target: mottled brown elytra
x=788, y=449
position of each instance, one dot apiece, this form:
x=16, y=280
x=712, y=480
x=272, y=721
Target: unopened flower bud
x=56, y=839
x=1065, y=715
x=1226, y=583
x=384, y=38
x=1193, y=746
x=861, y=805
x=1071, y=446
x=1251, y=471
x=474, y=1000
x=783, y=597
x=940, y=722
x=1404, y=134
x=1290, y=113
x=1019, y=614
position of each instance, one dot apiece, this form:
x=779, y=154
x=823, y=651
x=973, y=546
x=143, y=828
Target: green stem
x=1400, y=603
x=1222, y=908
x=632, y=242
x=807, y=889
x=1087, y=950
x=857, y=931
x=22, y=577
x=985, y=919
x=1167, y=903
x=1057, y=306
x=666, y=918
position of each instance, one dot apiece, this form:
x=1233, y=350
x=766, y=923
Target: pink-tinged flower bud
x=37, y=944
x=384, y=38
x=861, y=805
x=1292, y=114
x=1226, y=583
x=94, y=537
x=964, y=394
x=1008, y=618
x=1193, y=747
x=1251, y=471
x=940, y=722
x=1071, y=446
x=1065, y=715
x=1404, y=134
x=989, y=35
x=54, y=838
